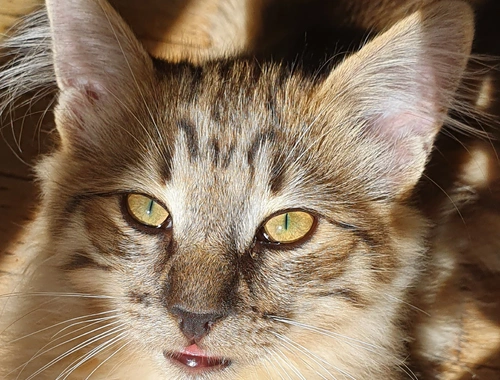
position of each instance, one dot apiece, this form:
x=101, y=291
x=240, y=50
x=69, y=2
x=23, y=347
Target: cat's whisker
x=23, y=117
x=315, y=358
x=56, y=295
x=124, y=359
x=453, y=203
x=407, y=370
x=47, y=109
x=357, y=343
x=266, y=361
x=115, y=330
x=19, y=318
x=351, y=341
x=59, y=324
x=276, y=360
x=107, y=359
x=407, y=304
x=89, y=322
x=53, y=295
x=269, y=361
x=286, y=361
x=29, y=104
x=85, y=333
x=30, y=63
x=92, y=353
x=48, y=348
x=13, y=151
x=290, y=346
x=36, y=97
x=51, y=340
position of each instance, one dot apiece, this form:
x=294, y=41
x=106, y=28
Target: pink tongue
x=193, y=350
x=196, y=361
x=194, y=357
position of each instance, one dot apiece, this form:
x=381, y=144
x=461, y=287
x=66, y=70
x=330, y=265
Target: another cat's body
x=224, y=148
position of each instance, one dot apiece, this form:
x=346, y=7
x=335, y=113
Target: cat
x=233, y=220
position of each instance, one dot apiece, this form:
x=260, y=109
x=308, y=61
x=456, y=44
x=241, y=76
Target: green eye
x=288, y=227
x=146, y=211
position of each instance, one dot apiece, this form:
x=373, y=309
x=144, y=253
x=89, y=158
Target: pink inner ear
x=403, y=126
x=94, y=50
x=412, y=108
x=91, y=94
x=409, y=125
x=86, y=88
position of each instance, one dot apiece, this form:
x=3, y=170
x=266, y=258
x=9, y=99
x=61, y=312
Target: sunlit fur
x=224, y=146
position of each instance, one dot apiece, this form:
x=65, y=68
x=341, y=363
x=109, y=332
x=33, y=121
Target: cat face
x=218, y=173
x=237, y=219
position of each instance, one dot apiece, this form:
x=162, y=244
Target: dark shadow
x=471, y=293
x=24, y=136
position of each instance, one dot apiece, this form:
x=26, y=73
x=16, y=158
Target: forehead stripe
x=191, y=138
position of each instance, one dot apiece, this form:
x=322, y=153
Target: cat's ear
x=97, y=58
x=394, y=94
x=94, y=50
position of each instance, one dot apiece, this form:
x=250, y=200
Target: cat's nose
x=195, y=326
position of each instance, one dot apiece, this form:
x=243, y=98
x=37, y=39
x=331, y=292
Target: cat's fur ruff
x=223, y=146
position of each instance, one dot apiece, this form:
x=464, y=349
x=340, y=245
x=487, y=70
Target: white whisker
x=348, y=340
x=74, y=349
x=107, y=359
x=290, y=347
x=58, y=324
x=57, y=295
x=288, y=363
x=92, y=353
x=315, y=358
x=277, y=361
x=408, y=304
x=355, y=342
x=89, y=322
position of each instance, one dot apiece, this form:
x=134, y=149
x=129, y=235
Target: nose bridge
x=202, y=281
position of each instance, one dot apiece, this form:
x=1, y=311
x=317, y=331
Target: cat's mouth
x=195, y=359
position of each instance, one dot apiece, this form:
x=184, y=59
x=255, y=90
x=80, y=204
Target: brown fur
x=223, y=146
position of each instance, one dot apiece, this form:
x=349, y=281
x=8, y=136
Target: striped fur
x=223, y=146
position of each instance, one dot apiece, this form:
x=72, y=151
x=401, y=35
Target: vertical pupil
x=287, y=221
x=150, y=207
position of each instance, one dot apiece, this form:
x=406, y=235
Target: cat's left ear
x=96, y=55
x=393, y=95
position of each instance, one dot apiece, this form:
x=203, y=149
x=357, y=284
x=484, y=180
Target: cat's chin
x=194, y=360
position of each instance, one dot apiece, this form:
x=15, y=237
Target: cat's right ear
x=98, y=61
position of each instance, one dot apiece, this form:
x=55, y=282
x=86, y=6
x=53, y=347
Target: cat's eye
x=288, y=227
x=146, y=210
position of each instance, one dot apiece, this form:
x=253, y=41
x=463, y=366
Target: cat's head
x=244, y=214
